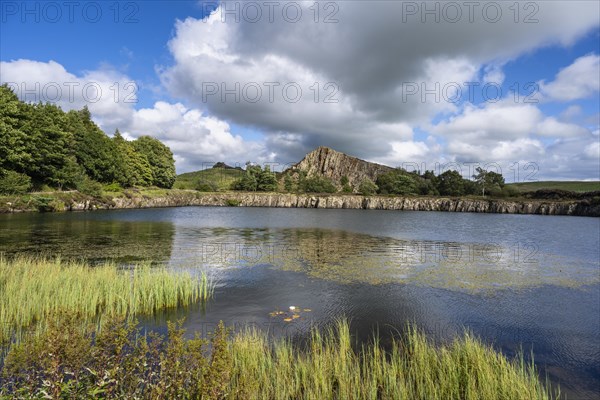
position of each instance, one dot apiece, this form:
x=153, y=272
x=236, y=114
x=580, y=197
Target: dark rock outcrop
x=580, y=208
x=180, y=198
x=333, y=165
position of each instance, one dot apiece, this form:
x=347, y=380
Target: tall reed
x=33, y=289
x=120, y=363
x=413, y=369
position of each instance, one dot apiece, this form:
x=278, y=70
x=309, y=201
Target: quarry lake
x=518, y=281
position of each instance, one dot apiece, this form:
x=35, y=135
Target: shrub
x=206, y=186
x=112, y=187
x=232, y=202
x=90, y=187
x=42, y=203
x=367, y=187
x=12, y=182
x=56, y=205
x=318, y=184
x=288, y=183
x=506, y=191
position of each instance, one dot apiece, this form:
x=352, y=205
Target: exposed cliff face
x=580, y=208
x=332, y=164
x=179, y=198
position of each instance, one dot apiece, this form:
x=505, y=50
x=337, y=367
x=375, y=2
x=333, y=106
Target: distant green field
x=221, y=177
x=572, y=186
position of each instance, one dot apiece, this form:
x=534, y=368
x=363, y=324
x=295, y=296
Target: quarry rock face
x=181, y=198
x=332, y=164
x=543, y=207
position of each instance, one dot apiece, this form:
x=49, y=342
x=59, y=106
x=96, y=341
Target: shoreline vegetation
x=75, y=356
x=35, y=290
x=133, y=198
x=122, y=363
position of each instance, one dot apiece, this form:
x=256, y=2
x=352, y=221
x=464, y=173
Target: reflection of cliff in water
x=348, y=257
x=89, y=239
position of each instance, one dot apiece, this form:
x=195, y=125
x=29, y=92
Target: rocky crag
x=334, y=165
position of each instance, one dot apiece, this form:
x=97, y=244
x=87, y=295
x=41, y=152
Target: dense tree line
x=42, y=145
x=448, y=183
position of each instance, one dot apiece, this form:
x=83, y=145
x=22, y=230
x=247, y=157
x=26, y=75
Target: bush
x=232, y=202
x=318, y=184
x=206, y=186
x=69, y=361
x=42, y=203
x=57, y=205
x=367, y=187
x=48, y=204
x=506, y=191
x=90, y=187
x=288, y=183
x=345, y=182
x=12, y=182
x=112, y=187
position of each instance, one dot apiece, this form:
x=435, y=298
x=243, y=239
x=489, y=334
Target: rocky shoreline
x=180, y=198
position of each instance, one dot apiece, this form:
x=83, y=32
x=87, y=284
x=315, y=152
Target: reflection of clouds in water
x=348, y=257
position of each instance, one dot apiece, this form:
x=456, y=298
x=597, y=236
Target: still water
x=517, y=281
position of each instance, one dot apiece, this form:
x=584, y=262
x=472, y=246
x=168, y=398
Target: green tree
x=14, y=154
x=249, y=181
x=94, y=151
x=160, y=157
x=288, y=183
x=397, y=181
x=267, y=182
x=69, y=176
x=47, y=141
x=367, y=187
x=135, y=169
x=345, y=182
x=488, y=180
x=451, y=183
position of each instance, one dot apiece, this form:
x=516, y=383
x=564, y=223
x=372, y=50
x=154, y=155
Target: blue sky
x=371, y=54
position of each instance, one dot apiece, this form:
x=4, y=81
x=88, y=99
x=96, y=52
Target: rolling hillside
x=571, y=186
x=220, y=178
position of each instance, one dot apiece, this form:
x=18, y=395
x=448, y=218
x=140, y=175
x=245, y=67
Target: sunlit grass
x=413, y=369
x=573, y=186
x=119, y=363
x=33, y=289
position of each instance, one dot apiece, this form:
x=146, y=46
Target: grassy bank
x=67, y=362
x=35, y=289
x=571, y=186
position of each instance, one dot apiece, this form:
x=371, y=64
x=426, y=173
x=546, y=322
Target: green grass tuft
x=35, y=289
x=120, y=363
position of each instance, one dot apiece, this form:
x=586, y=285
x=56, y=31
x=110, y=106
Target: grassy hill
x=572, y=186
x=221, y=178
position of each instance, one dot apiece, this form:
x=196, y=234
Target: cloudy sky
x=510, y=86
